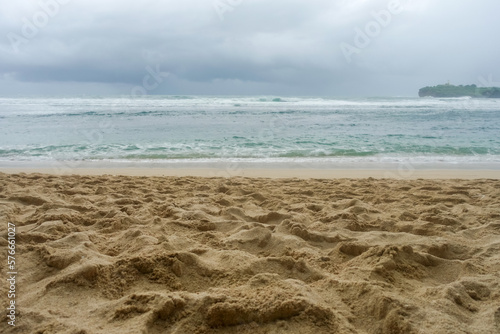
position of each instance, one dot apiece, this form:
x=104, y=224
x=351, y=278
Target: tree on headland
x=448, y=90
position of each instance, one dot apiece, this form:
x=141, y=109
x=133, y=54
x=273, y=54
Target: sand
x=308, y=173
x=130, y=254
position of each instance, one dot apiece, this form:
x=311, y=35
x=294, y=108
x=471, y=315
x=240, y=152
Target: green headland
x=448, y=90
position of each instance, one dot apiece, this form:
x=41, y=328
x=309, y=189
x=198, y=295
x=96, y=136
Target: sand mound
x=116, y=254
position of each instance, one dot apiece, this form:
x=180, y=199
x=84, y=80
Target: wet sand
x=270, y=172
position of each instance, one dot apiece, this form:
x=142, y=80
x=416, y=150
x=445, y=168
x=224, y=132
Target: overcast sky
x=224, y=47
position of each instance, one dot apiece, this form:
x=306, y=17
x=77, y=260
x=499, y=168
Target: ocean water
x=259, y=130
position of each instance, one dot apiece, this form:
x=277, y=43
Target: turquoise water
x=258, y=129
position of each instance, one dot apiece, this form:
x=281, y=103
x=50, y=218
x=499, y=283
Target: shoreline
x=267, y=172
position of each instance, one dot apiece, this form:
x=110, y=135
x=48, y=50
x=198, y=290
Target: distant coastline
x=448, y=90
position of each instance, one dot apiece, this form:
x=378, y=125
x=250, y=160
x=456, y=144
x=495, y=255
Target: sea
x=250, y=131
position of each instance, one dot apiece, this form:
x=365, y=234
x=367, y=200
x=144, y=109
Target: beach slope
x=131, y=254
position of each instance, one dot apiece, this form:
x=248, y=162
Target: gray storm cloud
x=315, y=47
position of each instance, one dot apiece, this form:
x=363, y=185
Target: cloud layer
x=315, y=47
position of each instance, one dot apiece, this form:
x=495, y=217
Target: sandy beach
x=351, y=252
x=249, y=167
x=301, y=173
